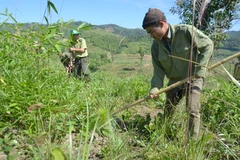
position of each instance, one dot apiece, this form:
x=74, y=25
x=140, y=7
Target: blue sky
x=125, y=13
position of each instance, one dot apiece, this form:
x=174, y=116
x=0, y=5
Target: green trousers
x=81, y=67
x=193, y=93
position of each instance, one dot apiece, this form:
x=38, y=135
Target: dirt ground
x=140, y=110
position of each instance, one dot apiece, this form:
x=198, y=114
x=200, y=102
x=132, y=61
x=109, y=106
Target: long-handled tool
x=175, y=84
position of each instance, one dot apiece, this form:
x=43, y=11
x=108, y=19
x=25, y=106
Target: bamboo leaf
x=13, y=18
x=58, y=48
x=87, y=27
x=3, y=14
x=4, y=21
x=57, y=154
x=49, y=7
x=69, y=22
x=6, y=11
x=50, y=4
x=46, y=19
x=81, y=25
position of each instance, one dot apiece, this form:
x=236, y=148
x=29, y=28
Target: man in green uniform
x=171, y=56
x=78, y=49
x=236, y=73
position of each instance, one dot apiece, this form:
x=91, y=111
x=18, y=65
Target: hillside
x=113, y=39
x=116, y=39
x=232, y=42
x=134, y=38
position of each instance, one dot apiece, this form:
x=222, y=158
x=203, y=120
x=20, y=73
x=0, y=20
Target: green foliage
x=220, y=115
x=51, y=5
x=217, y=110
x=57, y=154
x=213, y=17
x=7, y=146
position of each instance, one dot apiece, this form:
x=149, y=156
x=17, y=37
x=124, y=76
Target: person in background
x=78, y=49
x=171, y=56
x=65, y=58
x=236, y=72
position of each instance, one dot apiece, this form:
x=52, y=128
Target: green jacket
x=80, y=43
x=176, y=68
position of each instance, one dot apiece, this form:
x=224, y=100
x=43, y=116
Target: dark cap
x=153, y=16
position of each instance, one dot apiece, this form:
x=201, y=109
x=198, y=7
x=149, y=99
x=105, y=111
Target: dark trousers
x=192, y=100
x=81, y=67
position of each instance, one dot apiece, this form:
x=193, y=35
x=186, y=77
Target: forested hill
x=139, y=35
x=233, y=41
x=132, y=39
x=117, y=39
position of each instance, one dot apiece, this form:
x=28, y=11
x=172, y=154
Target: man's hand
x=153, y=96
x=153, y=93
x=72, y=49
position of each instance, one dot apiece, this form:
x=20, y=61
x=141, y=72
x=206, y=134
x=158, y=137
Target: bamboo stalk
x=224, y=60
x=175, y=84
